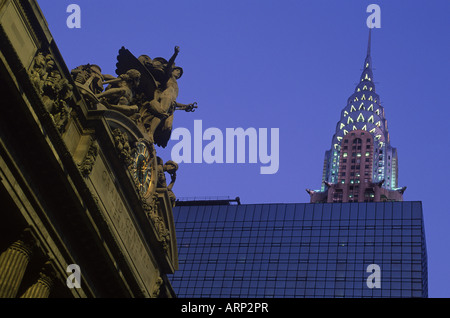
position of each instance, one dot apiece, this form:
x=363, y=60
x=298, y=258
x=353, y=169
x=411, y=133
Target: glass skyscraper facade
x=301, y=250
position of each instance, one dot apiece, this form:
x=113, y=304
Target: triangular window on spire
x=361, y=106
x=363, y=97
x=345, y=113
x=372, y=131
x=354, y=127
x=356, y=99
x=349, y=120
x=370, y=89
x=358, y=90
x=370, y=98
x=370, y=120
x=364, y=127
x=370, y=108
x=339, y=138
x=360, y=118
x=377, y=111
x=342, y=126
x=345, y=132
x=352, y=109
x=378, y=123
x=365, y=88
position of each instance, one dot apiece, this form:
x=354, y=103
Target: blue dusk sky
x=291, y=65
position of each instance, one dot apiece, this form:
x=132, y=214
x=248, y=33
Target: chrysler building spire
x=361, y=165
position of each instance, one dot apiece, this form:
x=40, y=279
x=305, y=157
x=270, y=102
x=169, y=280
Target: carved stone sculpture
x=89, y=78
x=156, y=93
x=122, y=146
x=171, y=168
x=54, y=89
x=157, y=287
x=87, y=164
x=119, y=94
x=145, y=90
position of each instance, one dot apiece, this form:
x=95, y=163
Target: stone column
x=13, y=263
x=43, y=286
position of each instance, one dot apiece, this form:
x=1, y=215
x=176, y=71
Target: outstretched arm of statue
x=155, y=108
x=108, y=77
x=187, y=108
x=172, y=59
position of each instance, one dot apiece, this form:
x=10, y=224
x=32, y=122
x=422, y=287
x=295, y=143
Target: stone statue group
x=145, y=90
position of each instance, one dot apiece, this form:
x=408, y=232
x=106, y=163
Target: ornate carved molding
x=123, y=146
x=89, y=160
x=155, y=215
x=163, y=232
x=55, y=90
x=157, y=287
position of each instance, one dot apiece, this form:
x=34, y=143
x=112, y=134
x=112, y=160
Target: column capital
x=25, y=244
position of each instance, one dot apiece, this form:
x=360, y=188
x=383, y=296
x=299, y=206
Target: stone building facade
x=80, y=185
